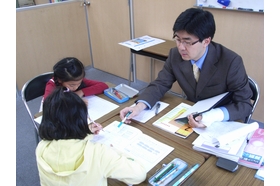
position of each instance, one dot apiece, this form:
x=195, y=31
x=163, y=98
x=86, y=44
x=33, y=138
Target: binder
x=205, y=105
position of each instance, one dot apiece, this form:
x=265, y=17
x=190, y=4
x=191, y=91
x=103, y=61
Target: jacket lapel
x=208, y=69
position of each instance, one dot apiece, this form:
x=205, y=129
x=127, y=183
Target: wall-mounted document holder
x=168, y=172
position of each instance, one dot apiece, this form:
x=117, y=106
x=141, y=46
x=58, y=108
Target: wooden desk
x=189, y=156
x=159, y=52
x=173, y=102
x=110, y=114
x=209, y=174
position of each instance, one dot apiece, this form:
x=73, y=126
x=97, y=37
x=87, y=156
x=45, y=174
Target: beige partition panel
x=242, y=32
x=109, y=25
x=48, y=33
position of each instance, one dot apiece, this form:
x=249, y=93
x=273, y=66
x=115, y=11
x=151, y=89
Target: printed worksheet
x=133, y=142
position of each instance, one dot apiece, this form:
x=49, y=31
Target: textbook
x=168, y=123
x=141, y=42
x=224, y=139
x=133, y=142
x=253, y=154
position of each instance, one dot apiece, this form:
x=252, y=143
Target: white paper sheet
x=132, y=141
x=221, y=133
x=145, y=115
x=97, y=107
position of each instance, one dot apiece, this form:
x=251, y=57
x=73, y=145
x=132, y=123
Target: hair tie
x=66, y=89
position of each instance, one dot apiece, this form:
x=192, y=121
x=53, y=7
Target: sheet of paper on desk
x=232, y=150
x=222, y=133
x=141, y=42
x=224, y=139
x=145, y=115
x=97, y=107
x=134, y=142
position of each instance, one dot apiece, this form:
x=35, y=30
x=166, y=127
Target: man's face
x=189, y=46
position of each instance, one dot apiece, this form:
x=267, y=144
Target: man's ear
x=207, y=41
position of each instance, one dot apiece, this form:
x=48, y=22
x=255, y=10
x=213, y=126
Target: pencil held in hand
x=126, y=116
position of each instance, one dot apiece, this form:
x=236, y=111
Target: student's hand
x=86, y=101
x=80, y=93
x=135, y=111
x=196, y=122
x=95, y=128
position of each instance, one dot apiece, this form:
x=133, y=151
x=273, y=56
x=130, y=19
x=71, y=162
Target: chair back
x=33, y=89
x=255, y=98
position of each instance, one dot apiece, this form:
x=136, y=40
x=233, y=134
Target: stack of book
x=253, y=154
x=224, y=139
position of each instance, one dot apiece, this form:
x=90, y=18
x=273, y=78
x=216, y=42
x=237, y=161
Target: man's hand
x=135, y=111
x=196, y=122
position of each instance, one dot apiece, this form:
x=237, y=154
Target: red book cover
x=253, y=155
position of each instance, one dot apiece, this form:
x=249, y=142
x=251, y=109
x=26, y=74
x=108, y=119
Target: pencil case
x=121, y=93
x=168, y=172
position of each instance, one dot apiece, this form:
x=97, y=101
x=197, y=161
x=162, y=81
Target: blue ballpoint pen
x=186, y=175
x=126, y=116
x=157, y=108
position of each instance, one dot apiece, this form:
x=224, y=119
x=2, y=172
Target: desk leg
x=132, y=69
x=152, y=68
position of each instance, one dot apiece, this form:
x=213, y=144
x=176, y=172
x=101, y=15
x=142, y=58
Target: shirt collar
x=200, y=61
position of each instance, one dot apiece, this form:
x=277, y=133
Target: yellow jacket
x=81, y=163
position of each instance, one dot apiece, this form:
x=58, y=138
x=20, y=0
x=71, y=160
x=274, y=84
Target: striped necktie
x=196, y=72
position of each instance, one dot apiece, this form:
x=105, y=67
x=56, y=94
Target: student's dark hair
x=68, y=69
x=197, y=22
x=64, y=116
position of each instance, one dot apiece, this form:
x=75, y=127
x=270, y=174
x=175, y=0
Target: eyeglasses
x=184, y=43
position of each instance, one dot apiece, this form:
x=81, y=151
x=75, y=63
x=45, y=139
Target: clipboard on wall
x=205, y=105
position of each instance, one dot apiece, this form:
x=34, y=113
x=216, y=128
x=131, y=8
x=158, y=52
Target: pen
x=157, y=107
x=164, y=172
x=126, y=116
x=185, y=176
x=171, y=172
x=163, y=179
x=93, y=122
